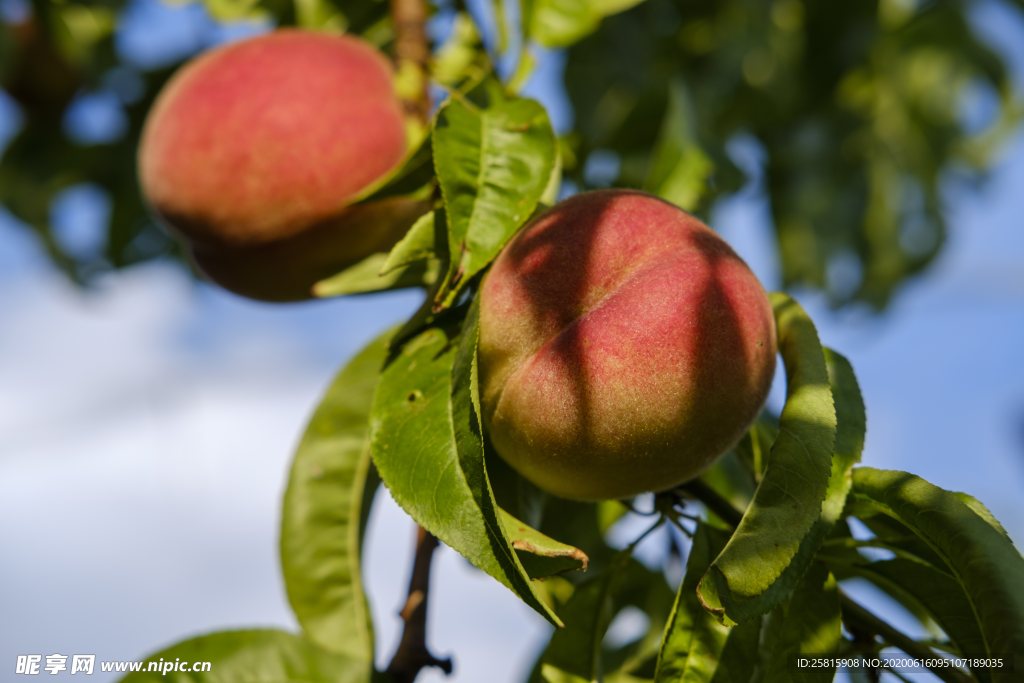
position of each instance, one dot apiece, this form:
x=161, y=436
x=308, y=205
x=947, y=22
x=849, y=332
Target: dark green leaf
x=573, y=655
x=742, y=582
x=896, y=536
x=980, y=557
x=493, y=164
x=323, y=517
x=259, y=656
x=810, y=624
x=426, y=445
x=697, y=648
x=936, y=593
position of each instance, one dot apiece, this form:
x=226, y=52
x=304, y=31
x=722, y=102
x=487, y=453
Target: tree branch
x=411, y=56
x=412, y=654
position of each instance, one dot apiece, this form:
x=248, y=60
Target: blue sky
x=146, y=425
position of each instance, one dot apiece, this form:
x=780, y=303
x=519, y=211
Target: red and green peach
x=258, y=146
x=624, y=347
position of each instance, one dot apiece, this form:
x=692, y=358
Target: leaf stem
x=644, y=535
x=869, y=622
x=412, y=654
x=713, y=500
x=682, y=529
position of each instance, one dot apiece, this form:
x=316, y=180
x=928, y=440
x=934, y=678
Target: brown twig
x=412, y=654
x=411, y=55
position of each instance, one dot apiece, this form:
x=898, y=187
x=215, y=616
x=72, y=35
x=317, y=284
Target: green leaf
x=324, y=513
x=680, y=169
x=493, y=164
x=696, y=648
x=982, y=511
x=520, y=499
x=811, y=624
x=541, y=555
x=574, y=652
x=895, y=536
x=980, y=557
x=936, y=593
x=742, y=581
x=560, y=23
x=426, y=445
x=365, y=277
x=582, y=524
x=257, y=656
x=418, y=244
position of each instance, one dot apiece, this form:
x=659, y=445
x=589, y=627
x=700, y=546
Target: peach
x=286, y=270
x=257, y=145
x=624, y=347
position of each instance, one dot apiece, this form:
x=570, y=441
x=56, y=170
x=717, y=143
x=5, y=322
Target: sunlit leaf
x=326, y=504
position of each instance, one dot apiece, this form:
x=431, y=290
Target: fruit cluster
x=623, y=345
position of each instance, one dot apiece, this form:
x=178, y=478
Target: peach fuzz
x=624, y=347
x=266, y=138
